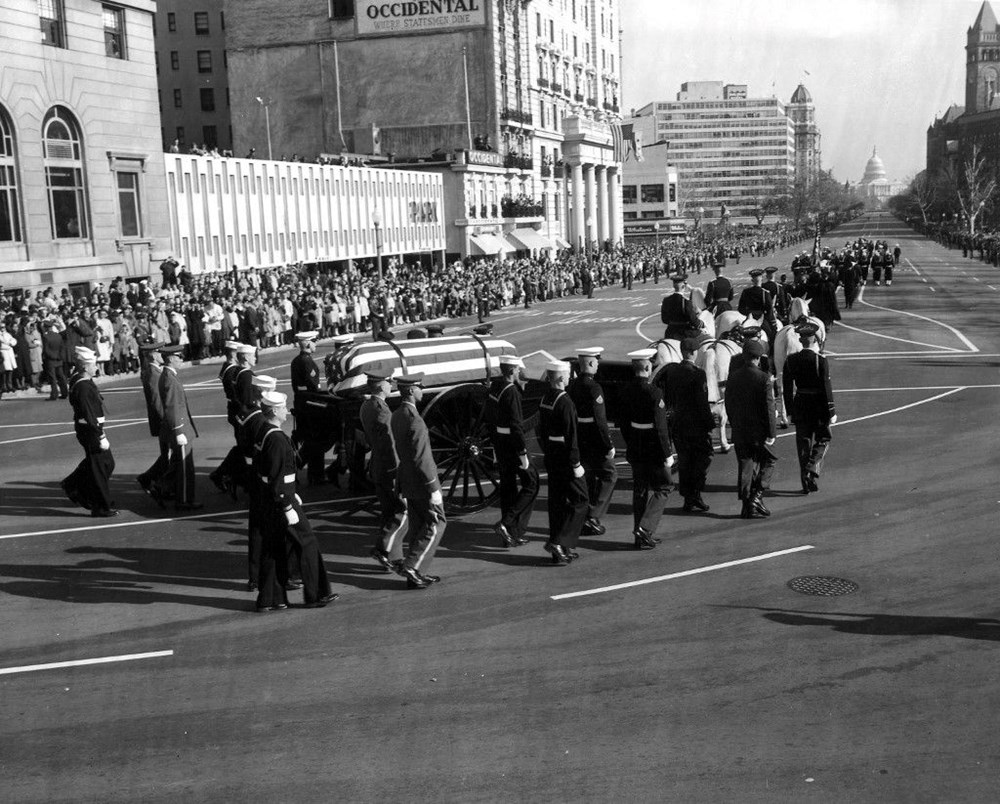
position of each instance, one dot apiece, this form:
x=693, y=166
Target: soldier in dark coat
x=750, y=407
x=597, y=451
x=691, y=424
x=418, y=483
x=757, y=302
x=177, y=430
x=518, y=478
x=309, y=433
x=649, y=451
x=231, y=472
x=53, y=360
x=677, y=312
x=718, y=292
x=149, y=377
x=568, y=498
x=809, y=401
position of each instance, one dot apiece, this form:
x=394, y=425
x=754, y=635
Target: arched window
x=10, y=216
x=63, y=152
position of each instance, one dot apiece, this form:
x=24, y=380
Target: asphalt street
x=711, y=681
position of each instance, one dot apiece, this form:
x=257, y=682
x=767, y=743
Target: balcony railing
x=559, y=171
x=592, y=102
x=517, y=116
x=546, y=171
x=556, y=86
x=578, y=97
x=517, y=161
x=522, y=207
x=543, y=82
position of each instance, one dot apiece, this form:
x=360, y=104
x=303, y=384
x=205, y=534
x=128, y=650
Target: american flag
x=626, y=141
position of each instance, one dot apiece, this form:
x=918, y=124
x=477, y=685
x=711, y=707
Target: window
x=652, y=194
x=171, y=21
x=50, y=18
x=210, y=135
x=652, y=214
x=180, y=135
x=673, y=193
x=201, y=23
x=178, y=99
x=341, y=9
x=628, y=194
x=204, y=61
x=128, y=203
x=222, y=20
x=175, y=61
x=630, y=216
x=114, y=31
x=207, y=99
x=10, y=216
x=63, y=150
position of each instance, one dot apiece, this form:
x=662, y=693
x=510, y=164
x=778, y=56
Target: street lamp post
x=377, y=220
x=656, y=229
x=267, y=122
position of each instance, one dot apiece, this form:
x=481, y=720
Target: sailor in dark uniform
x=677, y=311
x=89, y=484
x=567, y=498
x=718, y=292
x=649, y=451
x=252, y=426
x=240, y=358
x=518, y=478
x=809, y=401
x=597, y=451
x=308, y=433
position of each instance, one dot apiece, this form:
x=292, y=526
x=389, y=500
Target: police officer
x=597, y=451
x=305, y=380
x=809, y=400
x=230, y=472
x=284, y=518
x=177, y=429
x=750, y=407
x=518, y=478
x=375, y=421
x=418, y=483
x=89, y=484
x=718, y=292
x=149, y=377
x=691, y=424
x=435, y=330
x=648, y=449
x=557, y=432
x=677, y=311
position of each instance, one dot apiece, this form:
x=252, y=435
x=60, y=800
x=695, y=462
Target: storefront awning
x=487, y=244
x=529, y=239
x=561, y=243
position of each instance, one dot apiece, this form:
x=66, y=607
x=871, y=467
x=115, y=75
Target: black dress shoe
x=506, y=540
x=104, y=513
x=688, y=507
x=275, y=607
x=156, y=493
x=382, y=558
x=559, y=557
x=698, y=504
x=749, y=512
x=429, y=578
x=758, y=505
x=644, y=539
x=321, y=602
x=414, y=580
x=251, y=586
x=292, y=584
x=811, y=481
x=592, y=527
x=143, y=484
x=520, y=541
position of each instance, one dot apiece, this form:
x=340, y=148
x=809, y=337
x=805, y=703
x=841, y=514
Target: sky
x=879, y=71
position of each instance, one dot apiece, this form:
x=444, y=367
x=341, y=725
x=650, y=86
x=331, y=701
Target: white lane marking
x=127, y=657
x=901, y=408
x=933, y=291
x=923, y=280
x=541, y=326
x=894, y=338
x=975, y=279
x=638, y=327
x=683, y=574
x=971, y=347
x=914, y=267
x=161, y=520
x=912, y=388
x=122, y=423
x=910, y=355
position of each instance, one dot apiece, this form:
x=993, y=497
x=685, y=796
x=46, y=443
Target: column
x=603, y=232
x=591, y=213
x=578, y=239
x=615, y=204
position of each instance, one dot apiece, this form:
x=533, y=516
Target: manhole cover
x=822, y=586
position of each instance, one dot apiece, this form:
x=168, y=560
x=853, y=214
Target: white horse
x=704, y=315
x=714, y=358
x=727, y=321
x=786, y=343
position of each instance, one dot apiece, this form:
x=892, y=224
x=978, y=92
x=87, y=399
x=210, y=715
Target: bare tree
x=974, y=183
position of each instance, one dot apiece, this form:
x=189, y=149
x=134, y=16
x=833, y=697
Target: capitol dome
x=801, y=95
x=874, y=170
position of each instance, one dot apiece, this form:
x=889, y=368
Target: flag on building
x=627, y=142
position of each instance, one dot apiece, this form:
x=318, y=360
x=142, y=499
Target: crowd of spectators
x=265, y=307
x=344, y=160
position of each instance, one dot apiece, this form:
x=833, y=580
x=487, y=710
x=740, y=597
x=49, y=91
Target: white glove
x=833, y=419
x=182, y=440
x=671, y=460
x=298, y=499
x=104, y=444
x=578, y=471
x=611, y=455
x=524, y=463
x=436, y=498
x=291, y=517
x=768, y=442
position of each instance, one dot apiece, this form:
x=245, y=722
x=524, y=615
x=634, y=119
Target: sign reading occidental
x=417, y=16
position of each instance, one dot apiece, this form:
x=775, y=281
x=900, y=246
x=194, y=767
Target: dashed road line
x=126, y=657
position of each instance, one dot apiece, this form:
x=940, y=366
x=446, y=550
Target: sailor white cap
x=341, y=340
x=83, y=353
x=246, y=349
x=557, y=366
x=264, y=381
x=273, y=399
x=307, y=336
x=590, y=351
x=642, y=354
x=511, y=360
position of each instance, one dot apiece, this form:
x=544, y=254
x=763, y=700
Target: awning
x=561, y=243
x=529, y=239
x=509, y=245
x=487, y=244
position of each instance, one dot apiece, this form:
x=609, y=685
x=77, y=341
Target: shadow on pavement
x=890, y=624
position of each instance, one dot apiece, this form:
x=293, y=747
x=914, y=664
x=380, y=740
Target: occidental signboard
x=418, y=16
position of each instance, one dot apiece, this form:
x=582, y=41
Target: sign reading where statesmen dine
x=417, y=16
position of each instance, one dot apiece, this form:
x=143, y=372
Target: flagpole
x=336, y=78
x=468, y=111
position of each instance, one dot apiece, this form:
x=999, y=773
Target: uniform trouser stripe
x=391, y=541
x=431, y=542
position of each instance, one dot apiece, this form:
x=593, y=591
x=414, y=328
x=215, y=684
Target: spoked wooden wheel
x=461, y=441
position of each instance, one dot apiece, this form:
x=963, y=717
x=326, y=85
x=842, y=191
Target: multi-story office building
x=512, y=100
x=731, y=150
x=82, y=188
x=808, y=162
x=191, y=71
x=650, y=194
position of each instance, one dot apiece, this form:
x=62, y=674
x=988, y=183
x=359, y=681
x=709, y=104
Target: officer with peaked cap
x=177, y=430
x=777, y=293
x=435, y=330
x=568, y=499
x=757, y=302
x=285, y=518
x=648, y=448
x=719, y=292
x=149, y=377
x=308, y=432
x=677, y=311
x=230, y=473
x=518, y=478
x=89, y=484
x=808, y=397
x=597, y=451
x=376, y=419
x=418, y=483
